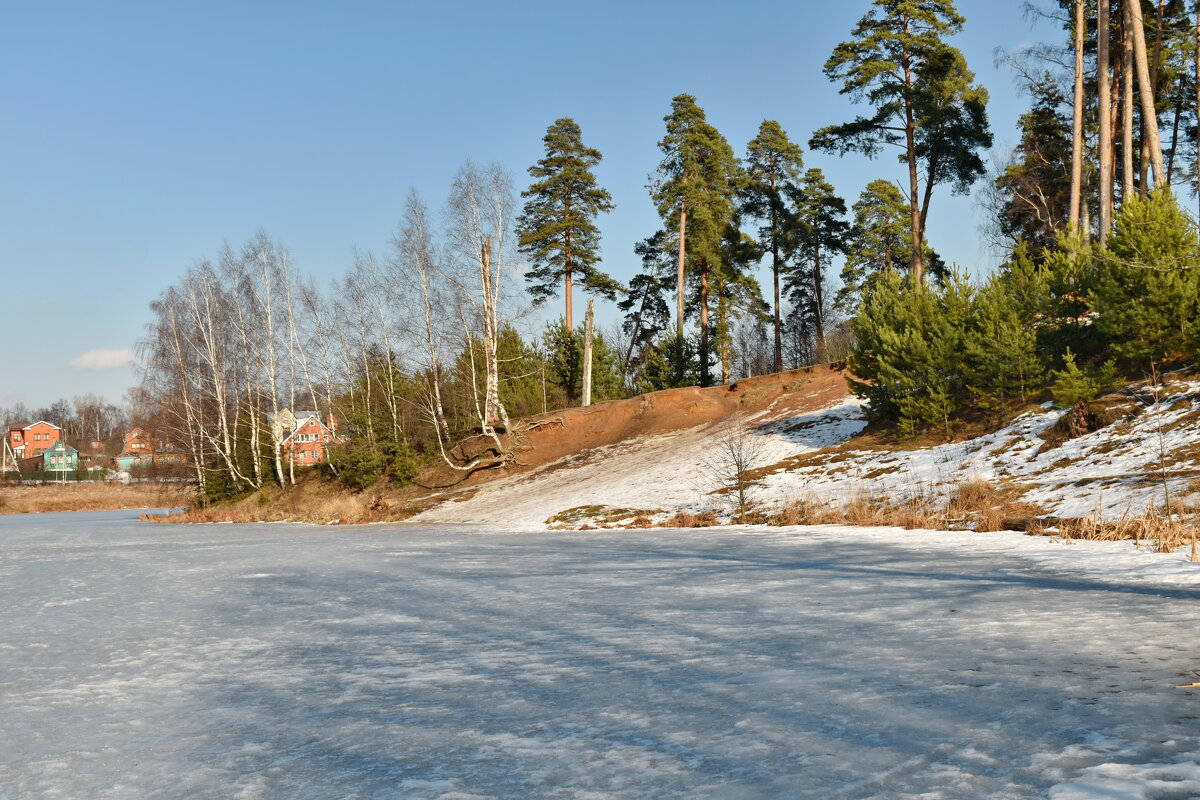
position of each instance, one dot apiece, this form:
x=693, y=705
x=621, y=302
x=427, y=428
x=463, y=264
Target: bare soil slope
x=574, y=430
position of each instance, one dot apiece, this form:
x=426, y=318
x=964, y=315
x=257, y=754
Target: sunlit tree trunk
x=1127, y=184
x=1104, y=89
x=1077, y=123
x=681, y=270
x=588, y=321
x=1145, y=89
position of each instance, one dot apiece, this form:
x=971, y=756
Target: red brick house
x=137, y=449
x=30, y=441
x=309, y=441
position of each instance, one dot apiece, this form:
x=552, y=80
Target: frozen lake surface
x=300, y=663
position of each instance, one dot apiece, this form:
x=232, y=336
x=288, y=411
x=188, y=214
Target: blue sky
x=137, y=137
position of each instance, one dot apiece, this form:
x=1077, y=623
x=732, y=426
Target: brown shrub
x=688, y=519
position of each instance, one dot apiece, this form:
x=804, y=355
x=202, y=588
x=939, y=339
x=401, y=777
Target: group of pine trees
x=703, y=255
x=1102, y=278
x=722, y=216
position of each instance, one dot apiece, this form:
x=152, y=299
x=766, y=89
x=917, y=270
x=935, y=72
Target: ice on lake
x=290, y=662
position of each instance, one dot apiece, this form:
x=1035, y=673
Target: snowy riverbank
x=1117, y=470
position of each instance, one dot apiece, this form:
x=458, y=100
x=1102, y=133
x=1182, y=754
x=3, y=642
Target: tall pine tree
x=820, y=231
x=557, y=227
x=879, y=243
x=924, y=102
x=644, y=305
x=773, y=164
x=693, y=190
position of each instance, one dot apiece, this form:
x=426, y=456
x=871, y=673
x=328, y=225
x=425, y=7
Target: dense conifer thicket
x=1070, y=320
x=428, y=353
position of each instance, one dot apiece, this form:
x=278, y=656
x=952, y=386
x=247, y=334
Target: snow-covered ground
x=1117, y=469
x=292, y=662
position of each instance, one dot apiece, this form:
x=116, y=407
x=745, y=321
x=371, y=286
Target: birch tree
x=478, y=221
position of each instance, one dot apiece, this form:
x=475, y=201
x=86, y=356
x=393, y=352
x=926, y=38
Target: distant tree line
x=85, y=418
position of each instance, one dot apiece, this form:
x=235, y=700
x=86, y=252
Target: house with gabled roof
x=309, y=440
x=137, y=450
x=33, y=439
x=60, y=457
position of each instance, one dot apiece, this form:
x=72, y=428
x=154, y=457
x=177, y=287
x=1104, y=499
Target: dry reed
x=976, y=505
x=92, y=496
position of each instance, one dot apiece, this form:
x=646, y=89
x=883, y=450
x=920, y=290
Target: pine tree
x=1073, y=384
x=557, y=227
x=1146, y=286
x=564, y=364
x=879, y=244
x=923, y=97
x=908, y=357
x=1003, y=363
x=1034, y=189
x=520, y=388
x=670, y=364
x=773, y=164
x=693, y=190
x=645, y=305
x=818, y=233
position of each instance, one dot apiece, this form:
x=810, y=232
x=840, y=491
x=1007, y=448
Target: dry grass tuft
x=976, y=505
x=1166, y=533
x=688, y=519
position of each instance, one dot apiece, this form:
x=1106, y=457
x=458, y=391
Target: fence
x=49, y=476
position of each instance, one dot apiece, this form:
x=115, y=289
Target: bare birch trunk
x=588, y=321
x=267, y=267
x=494, y=410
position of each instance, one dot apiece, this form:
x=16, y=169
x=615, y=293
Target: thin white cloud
x=104, y=359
